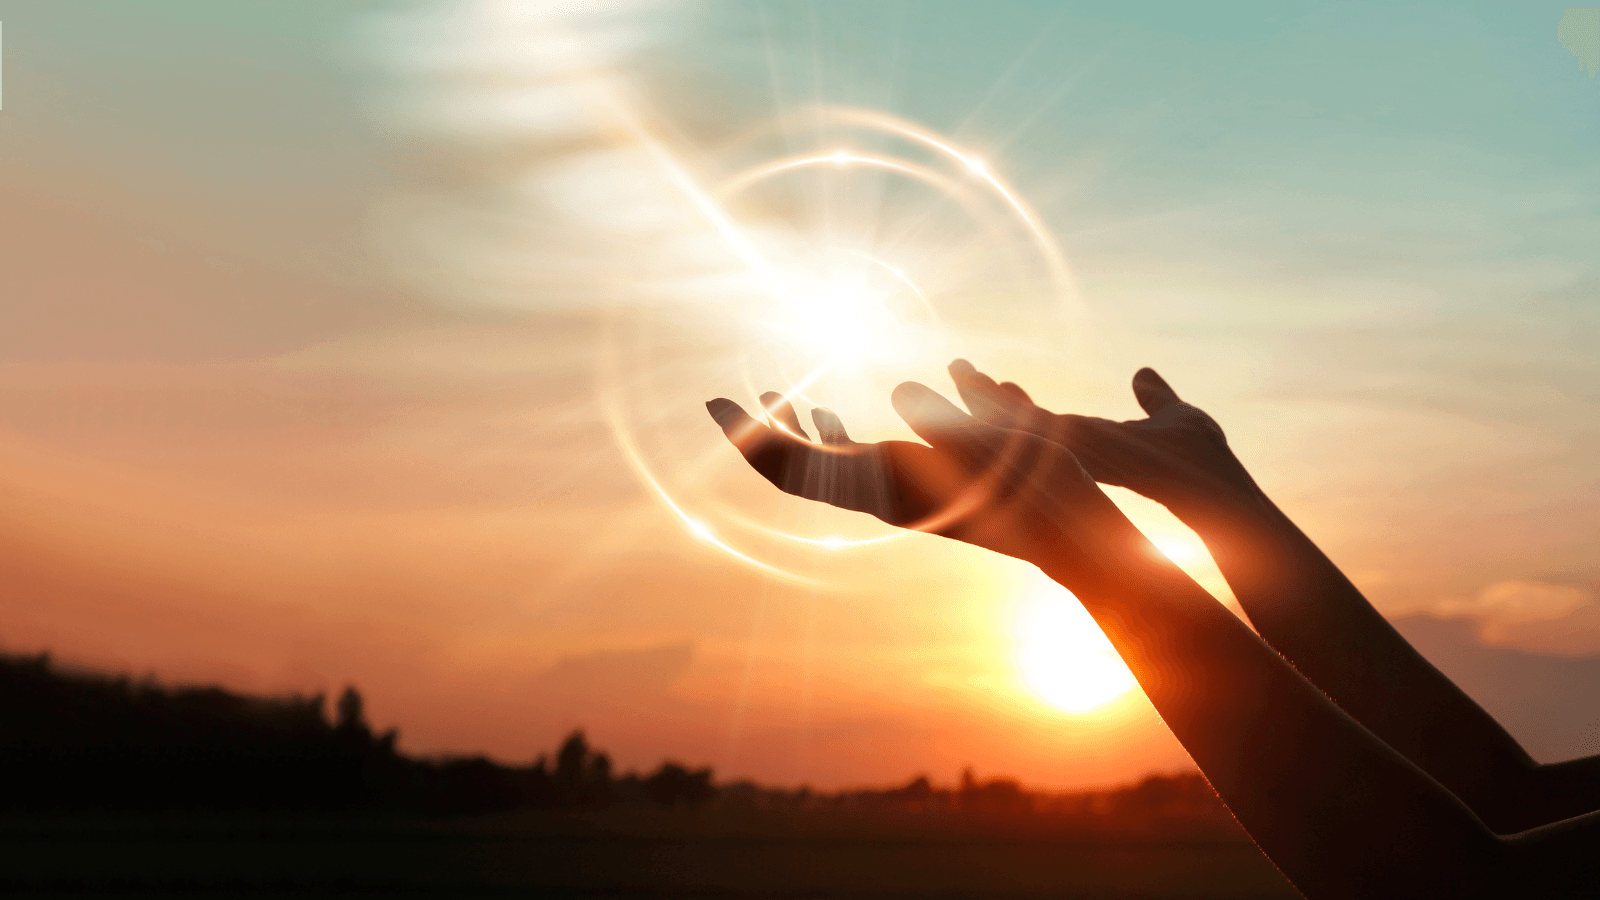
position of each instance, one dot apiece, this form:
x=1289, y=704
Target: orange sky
x=267, y=419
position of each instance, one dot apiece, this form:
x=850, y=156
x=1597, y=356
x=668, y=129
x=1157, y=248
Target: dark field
x=614, y=853
x=120, y=788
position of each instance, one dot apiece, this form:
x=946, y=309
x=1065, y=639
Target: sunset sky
x=367, y=343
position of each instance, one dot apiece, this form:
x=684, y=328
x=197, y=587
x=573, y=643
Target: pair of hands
x=1010, y=476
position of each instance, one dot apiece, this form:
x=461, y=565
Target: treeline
x=1168, y=804
x=80, y=741
x=85, y=741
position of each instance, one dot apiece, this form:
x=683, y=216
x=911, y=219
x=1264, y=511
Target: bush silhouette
x=674, y=785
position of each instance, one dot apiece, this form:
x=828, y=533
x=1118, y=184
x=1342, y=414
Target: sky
x=367, y=343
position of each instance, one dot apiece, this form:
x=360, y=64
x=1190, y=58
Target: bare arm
x=1302, y=604
x=1339, y=811
x=1309, y=611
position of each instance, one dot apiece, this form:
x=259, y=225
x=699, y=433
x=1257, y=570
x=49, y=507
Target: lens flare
x=827, y=252
x=846, y=269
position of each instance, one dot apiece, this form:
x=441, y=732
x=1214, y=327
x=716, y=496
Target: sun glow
x=862, y=314
x=1181, y=550
x=829, y=275
x=1061, y=655
x=825, y=252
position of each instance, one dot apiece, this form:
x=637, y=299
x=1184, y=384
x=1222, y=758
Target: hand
x=1005, y=490
x=1177, y=457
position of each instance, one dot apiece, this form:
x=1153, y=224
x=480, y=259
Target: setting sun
x=1062, y=656
x=1185, y=551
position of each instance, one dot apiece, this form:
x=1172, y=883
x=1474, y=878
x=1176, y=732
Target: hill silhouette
x=83, y=741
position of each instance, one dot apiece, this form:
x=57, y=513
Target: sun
x=1061, y=655
x=1185, y=551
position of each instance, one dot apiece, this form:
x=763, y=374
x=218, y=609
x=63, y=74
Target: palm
x=1178, y=456
x=1006, y=490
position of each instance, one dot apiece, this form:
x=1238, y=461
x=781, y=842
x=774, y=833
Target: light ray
x=826, y=319
x=1053, y=256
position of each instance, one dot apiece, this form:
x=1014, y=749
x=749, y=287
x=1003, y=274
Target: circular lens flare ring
x=847, y=322
x=877, y=121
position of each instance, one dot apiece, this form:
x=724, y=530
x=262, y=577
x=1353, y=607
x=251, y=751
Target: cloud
x=550, y=199
x=652, y=670
x=1505, y=605
x=1577, y=634
x=79, y=285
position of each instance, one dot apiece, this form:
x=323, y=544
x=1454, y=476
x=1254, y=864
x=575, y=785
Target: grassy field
x=615, y=853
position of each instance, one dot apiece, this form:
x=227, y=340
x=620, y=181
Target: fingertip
x=727, y=413
x=829, y=427
x=1152, y=391
x=960, y=368
x=1151, y=377
x=910, y=400
x=720, y=407
x=914, y=400
x=909, y=392
x=1015, y=391
x=781, y=412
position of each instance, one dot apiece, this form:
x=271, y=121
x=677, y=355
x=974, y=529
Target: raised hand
x=1387, y=824
x=1178, y=456
x=1299, y=601
x=998, y=488
x=1264, y=735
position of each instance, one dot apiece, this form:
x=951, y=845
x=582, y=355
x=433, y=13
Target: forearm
x=1309, y=611
x=1566, y=789
x=1336, y=809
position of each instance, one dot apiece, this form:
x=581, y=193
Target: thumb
x=1152, y=391
x=936, y=420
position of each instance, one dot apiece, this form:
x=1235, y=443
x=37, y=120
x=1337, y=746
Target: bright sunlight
x=1062, y=656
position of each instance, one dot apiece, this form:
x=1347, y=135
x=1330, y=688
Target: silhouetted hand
x=1177, y=457
x=998, y=488
x=1264, y=731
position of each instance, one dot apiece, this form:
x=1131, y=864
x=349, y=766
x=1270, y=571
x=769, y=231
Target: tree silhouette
x=570, y=759
x=674, y=785
x=351, y=717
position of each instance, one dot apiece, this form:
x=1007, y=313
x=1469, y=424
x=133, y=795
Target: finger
x=1016, y=391
x=1152, y=391
x=982, y=395
x=736, y=423
x=960, y=369
x=936, y=420
x=782, y=413
x=787, y=461
x=829, y=427
x=849, y=479
x=761, y=447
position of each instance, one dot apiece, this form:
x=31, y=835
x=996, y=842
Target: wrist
x=1096, y=553
x=1236, y=505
